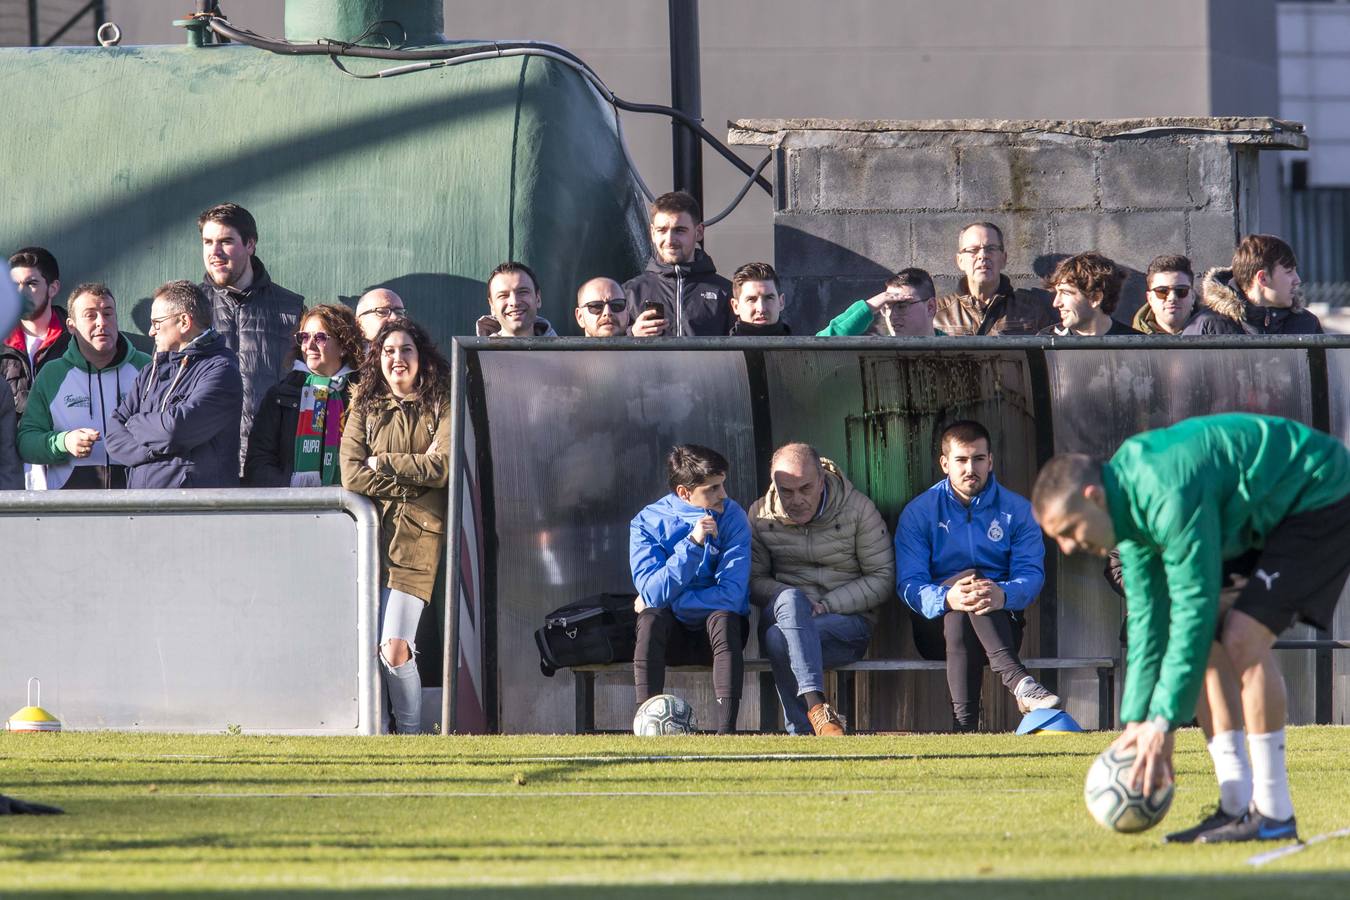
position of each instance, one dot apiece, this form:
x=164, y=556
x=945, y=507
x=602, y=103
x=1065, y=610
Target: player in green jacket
x=1229, y=528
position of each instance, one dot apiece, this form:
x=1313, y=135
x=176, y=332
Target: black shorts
x=1300, y=572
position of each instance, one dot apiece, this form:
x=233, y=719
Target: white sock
x=1270, y=779
x=1228, y=749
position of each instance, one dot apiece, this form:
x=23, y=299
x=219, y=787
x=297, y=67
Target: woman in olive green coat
x=395, y=450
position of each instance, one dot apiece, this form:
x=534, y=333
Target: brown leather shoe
x=825, y=721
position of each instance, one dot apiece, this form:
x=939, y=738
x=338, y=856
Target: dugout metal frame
x=1328, y=409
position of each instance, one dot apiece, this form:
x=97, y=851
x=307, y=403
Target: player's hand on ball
x=706, y=528
x=1152, y=767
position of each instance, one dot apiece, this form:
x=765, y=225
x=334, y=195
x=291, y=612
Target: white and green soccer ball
x=1117, y=805
x=664, y=714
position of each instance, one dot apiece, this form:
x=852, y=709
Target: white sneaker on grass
x=1030, y=694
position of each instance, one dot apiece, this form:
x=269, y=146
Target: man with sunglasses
x=985, y=301
x=602, y=309
x=1173, y=305
x=178, y=425
x=376, y=307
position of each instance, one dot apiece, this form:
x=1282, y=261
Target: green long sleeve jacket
x=1183, y=499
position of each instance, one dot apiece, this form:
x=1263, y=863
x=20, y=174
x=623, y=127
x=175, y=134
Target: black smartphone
x=655, y=305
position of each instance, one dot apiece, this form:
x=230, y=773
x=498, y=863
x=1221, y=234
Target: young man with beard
x=1260, y=293
x=41, y=334
x=514, y=299
x=681, y=282
x=74, y=398
x=256, y=318
x=757, y=302
x=1173, y=306
x=1087, y=289
x=178, y=426
x=985, y=301
x=602, y=309
x=969, y=559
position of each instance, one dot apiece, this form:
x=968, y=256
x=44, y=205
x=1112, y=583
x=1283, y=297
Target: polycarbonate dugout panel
x=579, y=443
x=578, y=437
x=1101, y=397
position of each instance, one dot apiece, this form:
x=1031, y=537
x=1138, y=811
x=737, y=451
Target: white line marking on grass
x=1261, y=859
x=530, y=794
x=709, y=757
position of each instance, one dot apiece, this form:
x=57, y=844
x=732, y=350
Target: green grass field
x=599, y=817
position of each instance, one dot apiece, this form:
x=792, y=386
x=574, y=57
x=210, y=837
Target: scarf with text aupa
x=318, y=430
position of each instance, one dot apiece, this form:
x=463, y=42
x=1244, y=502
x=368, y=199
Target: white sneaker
x=1030, y=694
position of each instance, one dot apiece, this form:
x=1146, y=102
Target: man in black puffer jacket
x=1260, y=293
x=693, y=299
x=256, y=317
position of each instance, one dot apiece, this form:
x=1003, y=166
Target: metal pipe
x=453, y=562
x=686, y=95
x=909, y=344
x=368, y=693
x=34, y=34
x=201, y=500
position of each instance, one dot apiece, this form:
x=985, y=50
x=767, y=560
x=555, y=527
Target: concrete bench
x=1104, y=665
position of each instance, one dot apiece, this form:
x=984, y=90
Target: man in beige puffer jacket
x=821, y=563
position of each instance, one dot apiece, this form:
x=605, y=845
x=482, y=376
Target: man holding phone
x=680, y=294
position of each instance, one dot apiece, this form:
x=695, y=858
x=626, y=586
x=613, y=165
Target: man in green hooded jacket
x=1229, y=528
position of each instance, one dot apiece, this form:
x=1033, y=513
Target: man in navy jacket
x=969, y=558
x=179, y=425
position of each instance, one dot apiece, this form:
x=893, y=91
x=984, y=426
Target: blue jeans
x=802, y=646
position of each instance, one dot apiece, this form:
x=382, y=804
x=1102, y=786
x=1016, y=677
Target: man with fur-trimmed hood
x=1261, y=291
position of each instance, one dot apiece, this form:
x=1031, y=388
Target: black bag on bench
x=598, y=630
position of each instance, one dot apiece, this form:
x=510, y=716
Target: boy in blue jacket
x=690, y=557
x=968, y=559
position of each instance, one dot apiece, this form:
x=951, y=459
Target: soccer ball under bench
x=664, y=714
x=1117, y=805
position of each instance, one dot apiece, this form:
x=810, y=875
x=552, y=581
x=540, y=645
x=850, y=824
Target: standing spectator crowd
x=247, y=386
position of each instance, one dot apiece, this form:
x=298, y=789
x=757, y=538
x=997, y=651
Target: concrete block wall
x=859, y=200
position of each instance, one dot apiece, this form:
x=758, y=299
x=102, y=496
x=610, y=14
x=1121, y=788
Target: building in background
x=1314, y=53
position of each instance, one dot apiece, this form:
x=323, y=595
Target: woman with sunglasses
x=298, y=429
x=395, y=450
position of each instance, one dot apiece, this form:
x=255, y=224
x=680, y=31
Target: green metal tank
x=421, y=183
